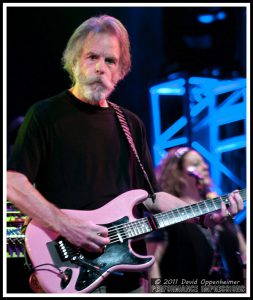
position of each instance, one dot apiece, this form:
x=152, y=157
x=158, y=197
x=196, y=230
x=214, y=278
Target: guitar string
x=128, y=230
x=118, y=233
x=145, y=220
x=121, y=229
x=202, y=203
x=125, y=228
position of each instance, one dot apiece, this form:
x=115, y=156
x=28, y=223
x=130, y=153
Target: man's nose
x=100, y=66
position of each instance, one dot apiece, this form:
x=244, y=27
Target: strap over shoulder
x=124, y=125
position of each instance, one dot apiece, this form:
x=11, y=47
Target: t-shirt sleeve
x=29, y=148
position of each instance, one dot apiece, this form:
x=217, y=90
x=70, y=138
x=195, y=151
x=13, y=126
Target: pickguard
x=92, y=266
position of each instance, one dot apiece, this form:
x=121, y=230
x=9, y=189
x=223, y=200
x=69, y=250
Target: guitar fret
x=203, y=207
x=137, y=228
x=176, y=214
x=189, y=212
x=214, y=203
x=210, y=205
x=183, y=213
x=166, y=220
x=130, y=232
x=193, y=214
x=217, y=202
x=196, y=209
x=161, y=220
x=206, y=206
x=142, y=227
x=147, y=226
x=171, y=218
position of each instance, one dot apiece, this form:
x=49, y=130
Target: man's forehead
x=101, y=39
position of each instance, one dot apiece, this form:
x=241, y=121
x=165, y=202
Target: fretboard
x=191, y=211
x=158, y=221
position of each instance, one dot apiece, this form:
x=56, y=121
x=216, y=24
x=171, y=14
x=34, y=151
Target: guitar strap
x=123, y=122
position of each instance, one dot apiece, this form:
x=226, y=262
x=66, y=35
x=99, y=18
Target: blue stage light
x=221, y=15
x=206, y=19
x=213, y=104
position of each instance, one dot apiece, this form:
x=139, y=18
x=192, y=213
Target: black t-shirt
x=77, y=154
x=79, y=158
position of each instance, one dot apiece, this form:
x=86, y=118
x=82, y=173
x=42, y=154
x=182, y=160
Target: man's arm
x=82, y=233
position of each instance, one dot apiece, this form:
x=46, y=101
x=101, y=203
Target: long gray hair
x=100, y=24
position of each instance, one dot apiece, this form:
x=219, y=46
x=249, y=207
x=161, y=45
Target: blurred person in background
x=189, y=250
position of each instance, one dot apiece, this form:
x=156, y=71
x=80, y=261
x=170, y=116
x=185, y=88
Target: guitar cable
x=61, y=273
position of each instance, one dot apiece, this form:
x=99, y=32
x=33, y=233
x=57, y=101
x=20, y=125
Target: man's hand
x=85, y=234
x=236, y=205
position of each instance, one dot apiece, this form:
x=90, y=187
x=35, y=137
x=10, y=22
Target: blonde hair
x=100, y=24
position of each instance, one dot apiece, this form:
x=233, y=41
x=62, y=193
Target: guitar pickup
x=66, y=250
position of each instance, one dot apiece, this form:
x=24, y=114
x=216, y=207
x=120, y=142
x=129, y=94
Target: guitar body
x=61, y=267
x=85, y=271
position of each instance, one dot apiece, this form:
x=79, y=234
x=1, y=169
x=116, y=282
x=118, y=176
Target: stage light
x=209, y=18
x=221, y=15
x=206, y=19
x=213, y=105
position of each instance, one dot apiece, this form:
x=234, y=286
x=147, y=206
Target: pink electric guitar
x=61, y=267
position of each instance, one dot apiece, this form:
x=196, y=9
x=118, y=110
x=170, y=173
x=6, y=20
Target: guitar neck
x=191, y=211
x=158, y=221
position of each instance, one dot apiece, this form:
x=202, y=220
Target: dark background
x=164, y=40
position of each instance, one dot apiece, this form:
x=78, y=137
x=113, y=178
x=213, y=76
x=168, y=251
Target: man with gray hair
x=72, y=154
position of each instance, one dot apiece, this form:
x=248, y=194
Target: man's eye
x=110, y=60
x=93, y=56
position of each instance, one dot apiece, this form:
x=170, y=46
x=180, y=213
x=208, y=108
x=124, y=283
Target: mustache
x=98, y=80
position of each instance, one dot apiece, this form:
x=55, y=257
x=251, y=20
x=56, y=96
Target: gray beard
x=93, y=89
x=94, y=93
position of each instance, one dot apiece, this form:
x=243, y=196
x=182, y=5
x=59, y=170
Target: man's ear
x=121, y=75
